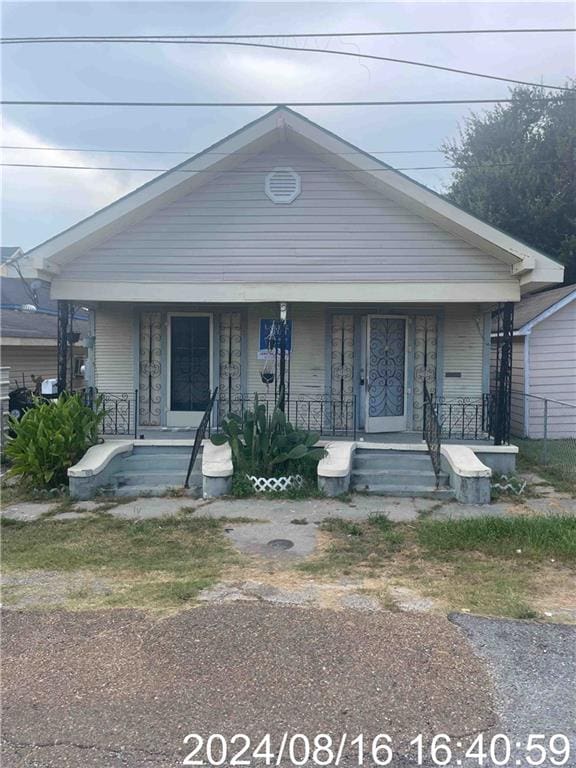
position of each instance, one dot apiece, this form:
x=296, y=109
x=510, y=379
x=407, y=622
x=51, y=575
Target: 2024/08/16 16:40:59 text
x=324, y=749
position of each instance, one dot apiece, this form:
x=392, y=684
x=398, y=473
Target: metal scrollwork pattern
x=342, y=354
x=387, y=350
x=425, y=356
x=230, y=378
x=150, y=385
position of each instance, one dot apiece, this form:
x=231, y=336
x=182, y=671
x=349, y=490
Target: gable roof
x=533, y=309
x=528, y=264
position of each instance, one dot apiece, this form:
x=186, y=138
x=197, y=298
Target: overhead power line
x=300, y=49
x=252, y=172
x=269, y=104
x=87, y=150
x=381, y=33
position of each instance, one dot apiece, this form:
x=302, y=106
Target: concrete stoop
x=397, y=473
x=154, y=470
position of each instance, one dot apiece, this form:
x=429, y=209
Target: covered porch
x=350, y=371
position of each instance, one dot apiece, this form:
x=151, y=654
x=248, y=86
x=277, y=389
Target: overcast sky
x=39, y=203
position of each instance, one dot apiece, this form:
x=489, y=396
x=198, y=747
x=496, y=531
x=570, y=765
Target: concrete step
x=162, y=450
x=405, y=477
x=158, y=462
x=422, y=491
x=174, y=479
x=400, y=459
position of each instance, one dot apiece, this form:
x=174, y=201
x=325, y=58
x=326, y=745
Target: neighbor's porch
x=351, y=371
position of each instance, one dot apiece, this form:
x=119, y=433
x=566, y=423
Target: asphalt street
x=121, y=688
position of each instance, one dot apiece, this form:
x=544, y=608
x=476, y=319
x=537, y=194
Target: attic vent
x=282, y=185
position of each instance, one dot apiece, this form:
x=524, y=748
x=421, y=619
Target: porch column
x=504, y=340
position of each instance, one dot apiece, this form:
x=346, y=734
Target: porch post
x=63, y=340
x=503, y=404
x=282, y=372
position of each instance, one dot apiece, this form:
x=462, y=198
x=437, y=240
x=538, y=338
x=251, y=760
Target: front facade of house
x=385, y=286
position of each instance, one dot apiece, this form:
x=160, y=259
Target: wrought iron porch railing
x=466, y=418
x=432, y=432
x=199, y=436
x=328, y=414
x=120, y=411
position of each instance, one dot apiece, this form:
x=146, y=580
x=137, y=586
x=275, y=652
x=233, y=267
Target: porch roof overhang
x=529, y=268
x=242, y=293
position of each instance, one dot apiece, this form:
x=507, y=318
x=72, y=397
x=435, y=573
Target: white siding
x=518, y=427
x=463, y=350
x=337, y=229
x=553, y=373
x=308, y=361
x=114, y=348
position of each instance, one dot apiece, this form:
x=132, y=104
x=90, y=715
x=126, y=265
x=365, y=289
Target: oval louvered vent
x=282, y=185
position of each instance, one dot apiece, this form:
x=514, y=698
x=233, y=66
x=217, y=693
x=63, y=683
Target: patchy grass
x=560, y=465
x=468, y=565
x=153, y=562
x=507, y=537
x=356, y=544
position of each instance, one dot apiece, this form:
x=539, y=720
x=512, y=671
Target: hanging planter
x=267, y=377
x=275, y=484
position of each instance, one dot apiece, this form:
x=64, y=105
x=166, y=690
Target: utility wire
x=211, y=152
x=538, y=30
x=330, y=51
x=269, y=104
x=251, y=173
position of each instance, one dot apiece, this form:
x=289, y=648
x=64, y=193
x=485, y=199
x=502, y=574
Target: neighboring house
x=29, y=331
x=544, y=364
x=386, y=283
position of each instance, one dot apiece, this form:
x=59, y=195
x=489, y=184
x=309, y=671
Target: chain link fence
x=545, y=432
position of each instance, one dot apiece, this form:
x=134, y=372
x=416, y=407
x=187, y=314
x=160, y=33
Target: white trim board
x=242, y=293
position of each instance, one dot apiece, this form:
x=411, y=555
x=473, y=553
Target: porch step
x=366, y=459
x=153, y=470
x=421, y=491
x=397, y=473
x=406, y=477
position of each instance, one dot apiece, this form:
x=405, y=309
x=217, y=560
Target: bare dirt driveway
x=122, y=688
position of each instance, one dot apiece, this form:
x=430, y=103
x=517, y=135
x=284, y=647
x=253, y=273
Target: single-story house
x=387, y=287
x=29, y=329
x=544, y=364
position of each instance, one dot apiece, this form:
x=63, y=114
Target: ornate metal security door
x=386, y=379
x=150, y=398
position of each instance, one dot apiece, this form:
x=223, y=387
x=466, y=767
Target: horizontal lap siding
x=553, y=373
x=27, y=361
x=308, y=359
x=337, y=229
x=463, y=350
x=114, y=348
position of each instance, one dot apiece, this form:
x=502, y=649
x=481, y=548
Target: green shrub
x=268, y=446
x=50, y=438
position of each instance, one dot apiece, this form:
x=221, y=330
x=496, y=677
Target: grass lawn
x=486, y=565
x=150, y=562
x=560, y=466
x=512, y=566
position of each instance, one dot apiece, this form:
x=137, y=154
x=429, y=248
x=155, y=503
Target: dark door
x=189, y=363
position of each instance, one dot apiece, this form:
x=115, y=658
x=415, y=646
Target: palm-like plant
x=266, y=446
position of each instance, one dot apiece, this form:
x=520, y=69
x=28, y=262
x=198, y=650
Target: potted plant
x=269, y=450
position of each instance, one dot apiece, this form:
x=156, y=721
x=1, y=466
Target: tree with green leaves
x=517, y=170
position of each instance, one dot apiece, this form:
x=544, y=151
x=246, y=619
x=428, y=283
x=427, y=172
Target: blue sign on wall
x=269, y=330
